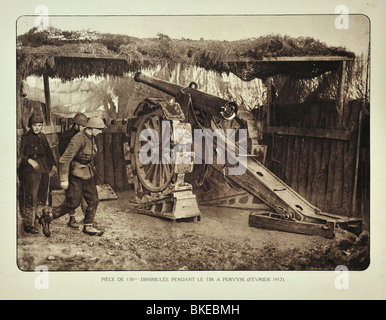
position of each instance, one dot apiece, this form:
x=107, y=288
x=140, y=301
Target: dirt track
x=222, y=240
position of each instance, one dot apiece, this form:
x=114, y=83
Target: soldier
x=37, y=163
x=79, y=123
x=77, y=177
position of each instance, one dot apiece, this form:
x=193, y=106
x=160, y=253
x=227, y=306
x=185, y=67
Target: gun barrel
x=164, y=86
x=201, y=100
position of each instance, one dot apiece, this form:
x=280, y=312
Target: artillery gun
x=161, y=180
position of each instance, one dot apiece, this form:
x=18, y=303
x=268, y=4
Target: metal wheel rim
x=154, y=177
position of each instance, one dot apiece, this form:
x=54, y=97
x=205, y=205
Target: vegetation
x=45, y=51
x=69, y=55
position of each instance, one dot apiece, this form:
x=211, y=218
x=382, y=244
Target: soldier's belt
x=81, y=161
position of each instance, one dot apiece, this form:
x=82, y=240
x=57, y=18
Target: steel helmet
x=81, y=119
x=96, y=122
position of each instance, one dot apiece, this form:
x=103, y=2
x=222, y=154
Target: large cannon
x=200, y=100
x=159, y=176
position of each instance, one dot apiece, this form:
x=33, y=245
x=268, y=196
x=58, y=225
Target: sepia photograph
x=193, y=143
x=194, y=157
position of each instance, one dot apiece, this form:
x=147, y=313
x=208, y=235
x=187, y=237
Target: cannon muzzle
x=200, y=100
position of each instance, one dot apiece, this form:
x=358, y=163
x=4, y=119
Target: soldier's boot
x=36, y=221
x=90, y=230
x=72, y=223
x=46, y=219
x=31, y=229
x=28, y=221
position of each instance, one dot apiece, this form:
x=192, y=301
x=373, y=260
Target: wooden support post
x=341, y=92
x=19, y=112
x=117, y=160
x=269, y=100
x=47, y=99
x=354, y=194
x=99, y=159
x=108, y=160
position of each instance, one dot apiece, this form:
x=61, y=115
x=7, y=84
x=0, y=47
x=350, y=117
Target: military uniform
x=64, y=141
x=35, y=182
x=65, y=138
x=77, y=176
x=76, y=166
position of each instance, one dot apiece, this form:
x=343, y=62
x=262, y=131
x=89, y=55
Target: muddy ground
x=222, y=240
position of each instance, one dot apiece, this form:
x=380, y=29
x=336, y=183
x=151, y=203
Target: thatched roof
x=69, y=55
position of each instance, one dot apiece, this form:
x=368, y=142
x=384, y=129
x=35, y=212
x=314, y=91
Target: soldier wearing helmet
x=77, y=177
x=79, y=122
x=37, y=162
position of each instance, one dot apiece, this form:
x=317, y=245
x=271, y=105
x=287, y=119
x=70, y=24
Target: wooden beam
x=311, y=132
x=47, y=99
x=294, y=59
x=90, y=56
x=19, y=113
x=268, y=84
x=271, y=222
x=115, y=128
x=341, y=91
x=354, y=193
x=306, y=58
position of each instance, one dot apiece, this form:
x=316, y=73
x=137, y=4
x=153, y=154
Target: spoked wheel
x=154, y=170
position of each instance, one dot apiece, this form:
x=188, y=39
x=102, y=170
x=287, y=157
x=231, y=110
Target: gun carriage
x=162, y=187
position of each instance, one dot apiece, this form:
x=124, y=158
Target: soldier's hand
x=53, y=171
x=33, y=163
x=64, y=185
